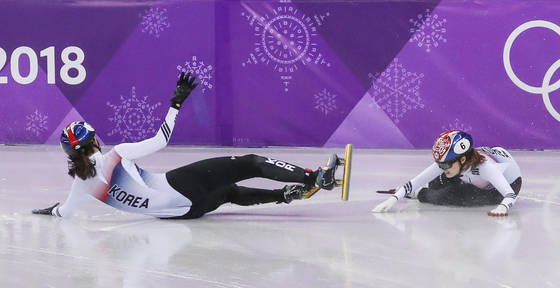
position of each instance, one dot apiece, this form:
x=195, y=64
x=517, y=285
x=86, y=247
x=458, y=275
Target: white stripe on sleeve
x=420, y=180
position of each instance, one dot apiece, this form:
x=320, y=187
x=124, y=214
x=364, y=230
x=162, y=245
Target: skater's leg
x=204, y=200
x=479, y=197
x=443, y=191
x=224, y=171
x=210, y=200
x=451, y=191
x=443, y=196
x=246, y=196
x=464, y=195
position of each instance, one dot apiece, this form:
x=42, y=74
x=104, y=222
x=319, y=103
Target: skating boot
x=294, y=192
x=325, y=175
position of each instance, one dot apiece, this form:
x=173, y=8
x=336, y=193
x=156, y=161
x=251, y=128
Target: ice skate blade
x=311, y=192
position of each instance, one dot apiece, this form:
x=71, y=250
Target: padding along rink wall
x=378, y=74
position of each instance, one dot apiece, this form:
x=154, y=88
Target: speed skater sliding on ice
x=463, y=176
x=182, y=193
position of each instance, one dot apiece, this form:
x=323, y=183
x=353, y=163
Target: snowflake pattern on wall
x=457, y=125
x=396, y=90
x=428, y=30
x=133, y=118
x=285, y=40
x=325, y=101
x=36, y=123
x=154, y=21
x=204, y=72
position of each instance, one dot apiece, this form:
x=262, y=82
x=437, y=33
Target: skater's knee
x=252, y=163
x=433, y=196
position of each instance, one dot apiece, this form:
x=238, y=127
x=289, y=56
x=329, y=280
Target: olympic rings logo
x=546, y=88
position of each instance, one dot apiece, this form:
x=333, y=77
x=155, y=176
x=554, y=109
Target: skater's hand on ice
x=501, y=210
x=385, y=205
x=45, y=211
x=185, y=85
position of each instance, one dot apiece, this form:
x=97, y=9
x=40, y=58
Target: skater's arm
x=417, y=182
x=74, y=200
x=146, y=147
x=492, y=174
x=132, y=151
x=420, y=180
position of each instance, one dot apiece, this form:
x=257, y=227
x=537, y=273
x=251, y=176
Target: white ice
x=319, y=242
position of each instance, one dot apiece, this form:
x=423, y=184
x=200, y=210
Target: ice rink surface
x=319, y=242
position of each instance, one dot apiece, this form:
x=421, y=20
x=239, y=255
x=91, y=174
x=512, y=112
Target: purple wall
x=294, y=73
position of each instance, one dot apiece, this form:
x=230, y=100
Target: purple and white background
x=391, y=74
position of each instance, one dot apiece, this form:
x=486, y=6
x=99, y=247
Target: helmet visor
x=446, y=165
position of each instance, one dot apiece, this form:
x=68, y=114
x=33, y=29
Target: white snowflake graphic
x=428, y=30
x=396, y=90
x=457, y=125
x=204, y=73
x=154, y=21
x=325, y=101
x=36, y=123
x=285, y=40
x=133, y=118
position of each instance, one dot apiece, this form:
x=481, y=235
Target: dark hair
x=473, y=159
x=80, y=165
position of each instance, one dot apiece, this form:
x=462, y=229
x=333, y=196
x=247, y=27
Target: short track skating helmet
x=450, y=146
x=75, y=136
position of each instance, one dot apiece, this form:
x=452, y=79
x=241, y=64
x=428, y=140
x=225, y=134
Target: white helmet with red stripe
x=451, y=145
x=75, y=136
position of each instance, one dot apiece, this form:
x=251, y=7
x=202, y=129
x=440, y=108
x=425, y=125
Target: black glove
x=185, y=85
x=46, y=211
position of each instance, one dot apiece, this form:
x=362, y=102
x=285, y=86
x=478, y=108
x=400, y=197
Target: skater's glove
x=501, y=210
x=185, y=85
x=46, y=211
x=385, y=205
